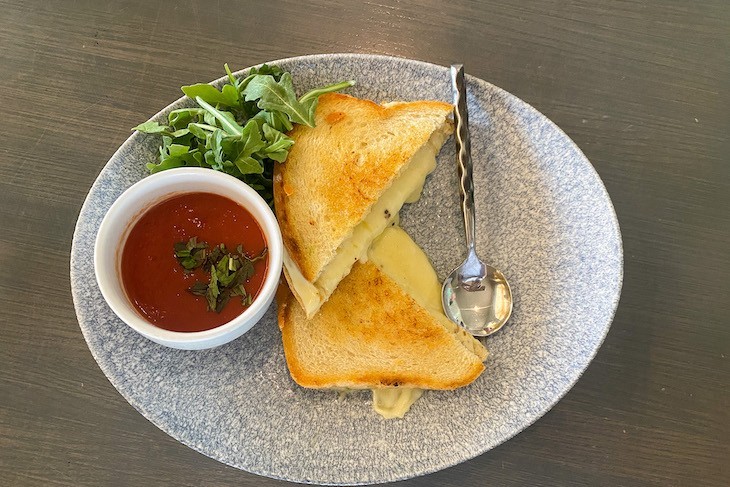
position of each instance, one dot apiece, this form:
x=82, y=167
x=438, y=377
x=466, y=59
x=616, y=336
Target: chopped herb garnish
x=228, y=271
x=191, y=254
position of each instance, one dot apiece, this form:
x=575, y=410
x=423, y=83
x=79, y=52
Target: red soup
x=158, y=284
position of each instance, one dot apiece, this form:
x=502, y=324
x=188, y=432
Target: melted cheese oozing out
x=394, y=403
x=406, y=188
x=398, y=256
x=401, y=259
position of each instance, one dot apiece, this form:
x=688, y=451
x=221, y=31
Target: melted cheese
x=406, y=188
x=305, y=291
x=398, y=256
x=394, y=403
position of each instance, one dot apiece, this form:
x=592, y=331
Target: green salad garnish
x=239, y=129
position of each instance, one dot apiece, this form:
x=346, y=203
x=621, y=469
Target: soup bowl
x=148, y=192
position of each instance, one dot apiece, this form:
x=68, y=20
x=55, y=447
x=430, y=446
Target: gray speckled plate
x=543, y=217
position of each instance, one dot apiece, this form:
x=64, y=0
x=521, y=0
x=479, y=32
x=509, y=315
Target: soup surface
x=159, y=286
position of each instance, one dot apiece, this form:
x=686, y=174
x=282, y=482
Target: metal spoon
x=475, y=295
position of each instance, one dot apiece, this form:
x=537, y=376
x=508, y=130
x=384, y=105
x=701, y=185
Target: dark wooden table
x=640, y=85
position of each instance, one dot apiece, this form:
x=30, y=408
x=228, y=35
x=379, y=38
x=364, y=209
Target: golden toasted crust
x=336, y=171
x=371, y=334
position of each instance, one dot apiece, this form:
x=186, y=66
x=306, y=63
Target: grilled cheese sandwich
x=382, y=329
x=345, y=181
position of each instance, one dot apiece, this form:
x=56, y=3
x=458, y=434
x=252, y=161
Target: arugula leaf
x=179, y=133
x=201, y=130
x=276, y=120
x=248, y=165
x=278, y=96
x=251, y=138
x=278, y=144
x=226, y=119
x=265, y=69
x=310, y=100
x=228, y=96
x=242, y=148
x=209, y=118
x=175, y=155
x=151, y=127
x=183, y=116
x=231, y=79
x=316, y=93
x=215, y=147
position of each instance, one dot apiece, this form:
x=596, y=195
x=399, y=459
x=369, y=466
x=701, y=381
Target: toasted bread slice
x=373, y=334
x=345, y=180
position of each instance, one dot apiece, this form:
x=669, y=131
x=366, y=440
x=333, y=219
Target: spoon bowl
x=479, y=305
x=475, y=296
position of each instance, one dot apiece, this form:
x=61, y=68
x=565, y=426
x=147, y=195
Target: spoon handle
x=463, y=154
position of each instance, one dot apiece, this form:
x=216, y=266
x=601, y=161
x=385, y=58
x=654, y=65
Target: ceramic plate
x=543, y=217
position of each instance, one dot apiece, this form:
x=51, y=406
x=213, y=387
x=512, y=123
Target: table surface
x=641, y=86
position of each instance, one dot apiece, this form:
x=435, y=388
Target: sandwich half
x=382, y=329
x=345, y=181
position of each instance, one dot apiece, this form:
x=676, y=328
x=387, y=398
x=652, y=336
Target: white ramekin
x=131, y=205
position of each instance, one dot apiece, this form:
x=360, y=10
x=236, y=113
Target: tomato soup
x=159, y=286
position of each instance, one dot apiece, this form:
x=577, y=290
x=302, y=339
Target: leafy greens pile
x=239, y=130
